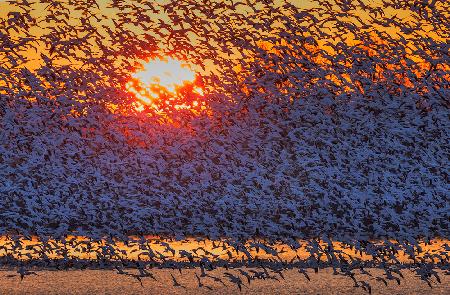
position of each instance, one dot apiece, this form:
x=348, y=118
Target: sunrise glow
x=159, y=81
x=168, y=74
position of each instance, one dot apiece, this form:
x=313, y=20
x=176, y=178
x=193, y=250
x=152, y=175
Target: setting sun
x=160, y=81
x=169, y=74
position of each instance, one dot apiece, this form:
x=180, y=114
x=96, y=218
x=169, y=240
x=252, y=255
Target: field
x=109, y=282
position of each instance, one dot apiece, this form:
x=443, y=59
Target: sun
x=162, y=81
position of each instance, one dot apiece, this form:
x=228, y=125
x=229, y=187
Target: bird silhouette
x=175, y=282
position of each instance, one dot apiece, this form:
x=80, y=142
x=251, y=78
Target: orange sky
x=35, y=58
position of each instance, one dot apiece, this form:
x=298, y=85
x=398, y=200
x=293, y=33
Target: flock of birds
x=323, y=123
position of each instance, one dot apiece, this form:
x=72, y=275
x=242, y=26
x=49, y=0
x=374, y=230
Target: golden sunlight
x=160, y=81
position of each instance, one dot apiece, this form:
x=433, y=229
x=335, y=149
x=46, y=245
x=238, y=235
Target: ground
x=109, y=282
